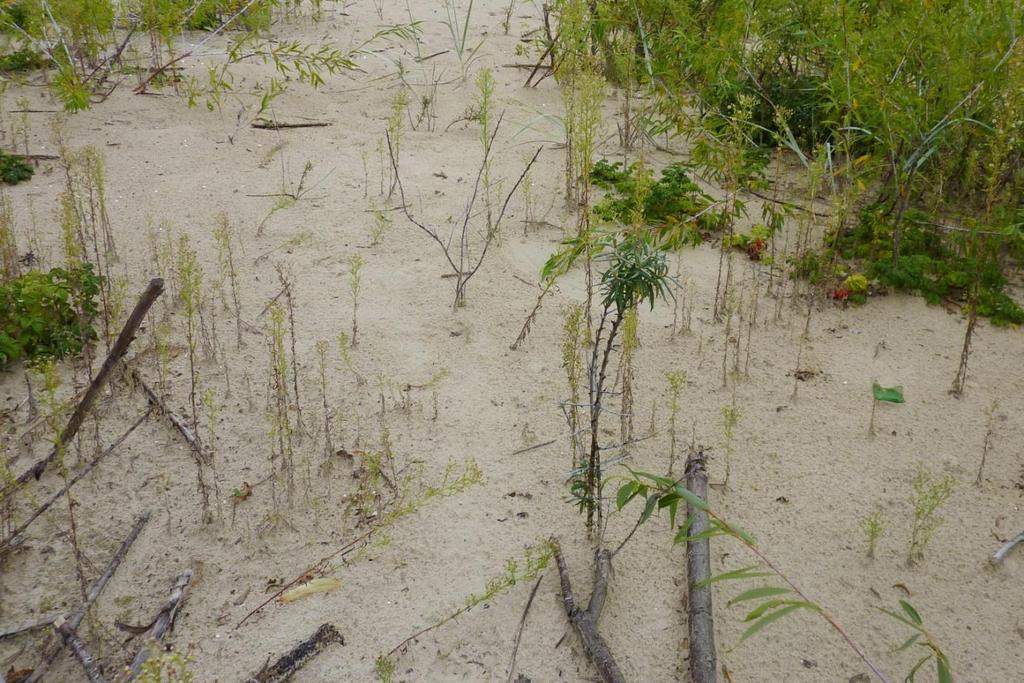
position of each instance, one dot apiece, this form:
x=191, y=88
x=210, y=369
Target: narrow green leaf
x=911, y=612
x=690, y=497
x=917, y=667
x=735, y=575
x=769, y=619
x=900, y=618
x=652, y=502
x=758, y=593
x=708, y=533
x=684, y=530
x=942, y=669
x=908, y=642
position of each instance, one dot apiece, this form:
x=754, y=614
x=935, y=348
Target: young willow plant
x=771, y=602
x=636, y=274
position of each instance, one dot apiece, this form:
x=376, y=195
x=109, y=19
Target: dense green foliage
x=14, y=169
x=962, y=267
x=909, y=108
x=669, y=203
x=21, y=60
x=47, y=314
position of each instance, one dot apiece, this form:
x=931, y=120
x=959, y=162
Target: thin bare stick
x=522, y=625
x=264, y=124
x=117, y=351
x=1005, y=549
x=53, y=648
x=74, y=480
x=164, y=621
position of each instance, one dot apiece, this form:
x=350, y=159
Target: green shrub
x=21, y=60
x=14, y=169
x=667, y=204
x=47, y=314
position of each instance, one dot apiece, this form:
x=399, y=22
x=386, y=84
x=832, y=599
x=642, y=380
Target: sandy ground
x=804, y=473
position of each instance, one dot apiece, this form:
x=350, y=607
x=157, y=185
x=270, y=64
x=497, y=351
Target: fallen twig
x=46, y=622
x=265, y=124
x=522, y=624
x=164, y=621
x=313, y=570
x=117, y=351
x=52, y=649
x=178, y=423
x=85, y=658
x=1005, y=549
x=300, y=655
x=74, y=480
x=585, y=621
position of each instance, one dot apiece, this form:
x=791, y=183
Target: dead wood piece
x=264, y=124
x=703, y=668
x=1005, y=549
x=45, y=622
x=74, y=480
x=300, y=655
x=179, y=424
x=117, y=351
x=85, y=658
x=585, y=621
x=53, y=648
x=164, y=621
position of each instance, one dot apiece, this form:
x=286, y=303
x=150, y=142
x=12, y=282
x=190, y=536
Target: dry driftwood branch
x=300, y=655
x=52, y=649
x=1005, y=549
x=522, y=625
x=45, y=622
x=85, y=658
x=585, y=621
x=117, y=351
x=74, y=480
x=703, y=667
x=164, y=621
x=264, y=124
x=186, y=432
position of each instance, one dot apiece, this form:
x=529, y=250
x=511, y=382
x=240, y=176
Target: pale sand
x=804, y=473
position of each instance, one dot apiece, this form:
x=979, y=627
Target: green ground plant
x=355, y=286
x=873, y=527
x=48, y=314
x=770, y=603
x=929, y=493
x=676, y=383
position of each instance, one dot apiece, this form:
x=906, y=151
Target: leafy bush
x=668, y=204
x=14, y=169
x=936, y=266
x=21, y=60
x=47, y=314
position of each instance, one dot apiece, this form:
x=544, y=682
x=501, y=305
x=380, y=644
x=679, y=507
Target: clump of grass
x=676, y=382
x=224, y=235
x=381, y=225
x=355, y=285
x=873, y=527
x=573, y=339
x=928, y=494
x=730, y=418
